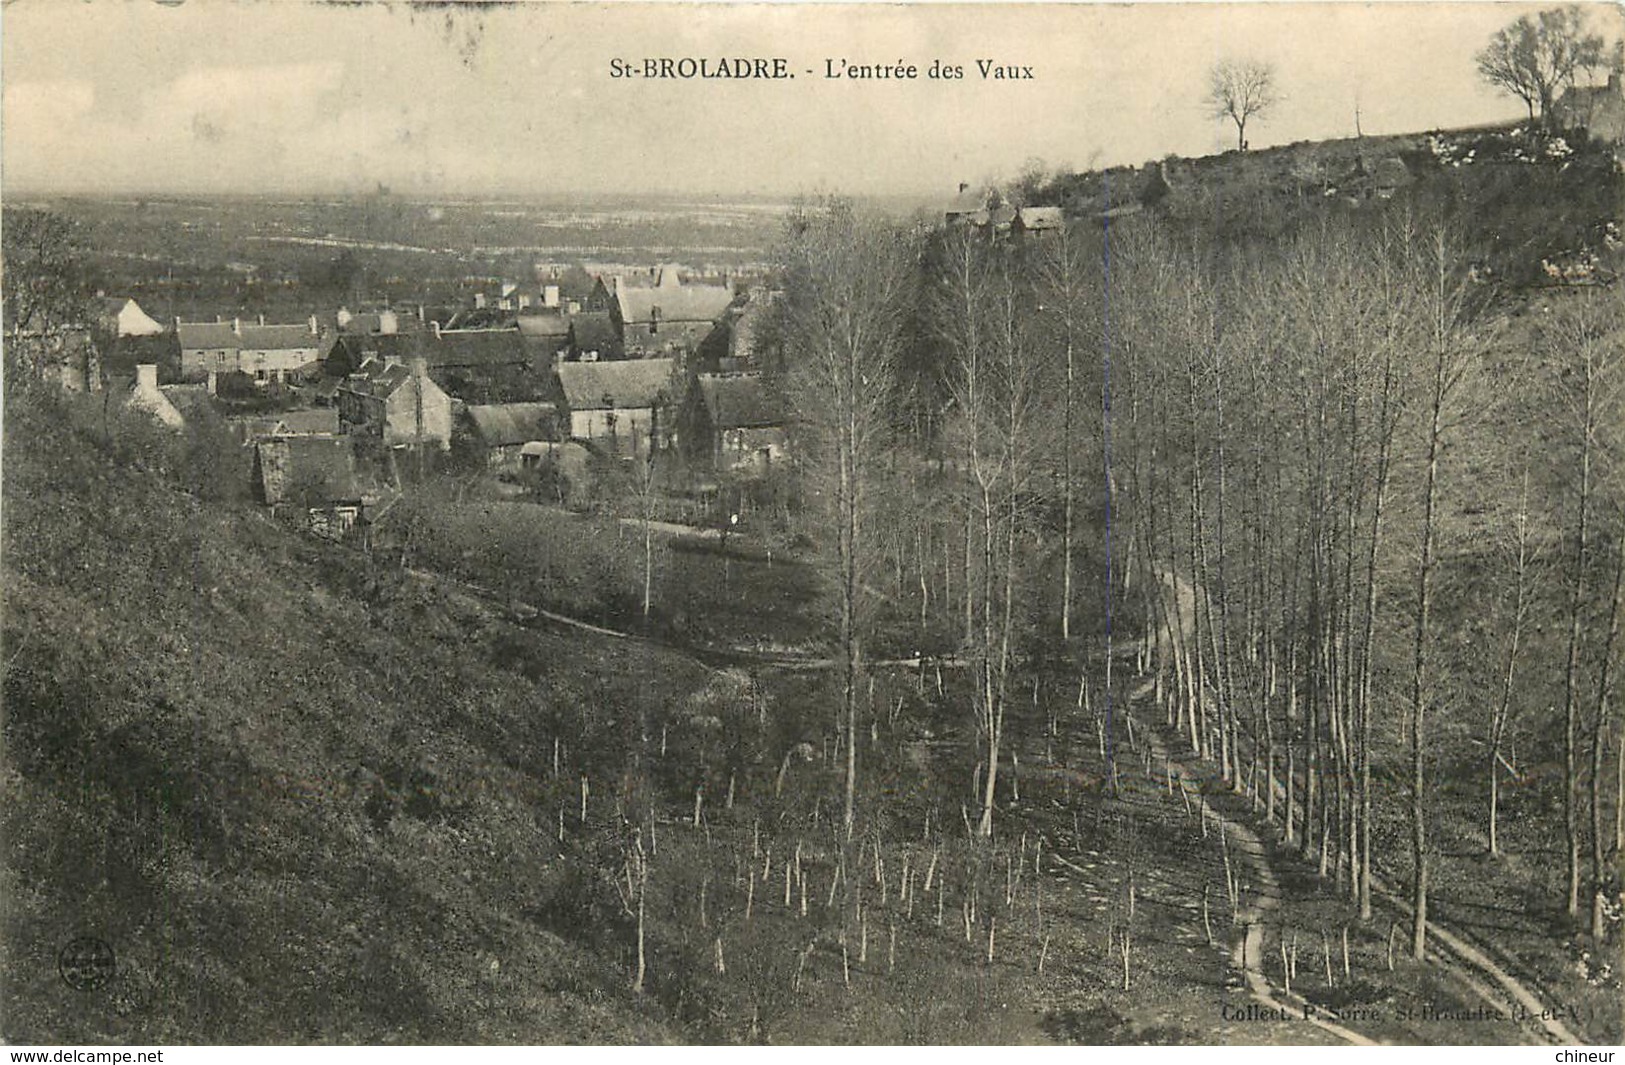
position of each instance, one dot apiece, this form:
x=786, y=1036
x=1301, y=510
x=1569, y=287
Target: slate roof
x=505, y=424
x=740, y=401
x=474, y=347
x=969, y=201
x=197, y=335
x=376, y=379
x=615, y=385
x=1040, y=217
x=676, y=303
x=277, y=337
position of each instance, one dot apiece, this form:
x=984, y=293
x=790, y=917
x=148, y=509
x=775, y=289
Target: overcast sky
x=288, y=96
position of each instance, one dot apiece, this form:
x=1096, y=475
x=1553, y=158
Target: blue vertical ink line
x=1106, y=449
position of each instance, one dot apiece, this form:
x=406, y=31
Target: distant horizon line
x=787, y=197
x=433, y=198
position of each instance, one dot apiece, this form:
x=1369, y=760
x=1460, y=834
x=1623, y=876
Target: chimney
x=436, y=327
x=177, y=323
x=314, y=331
x=237, y=326
x=262, y=319
x=146, y=377
x=344, y=317
x=479, y=301
x=550, y=296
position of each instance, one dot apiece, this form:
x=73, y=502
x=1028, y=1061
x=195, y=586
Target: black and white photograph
x=659, y=524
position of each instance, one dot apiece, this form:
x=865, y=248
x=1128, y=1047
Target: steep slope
x=300, y=796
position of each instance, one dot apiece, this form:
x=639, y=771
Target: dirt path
x=1256, y=903
x=1465, y=962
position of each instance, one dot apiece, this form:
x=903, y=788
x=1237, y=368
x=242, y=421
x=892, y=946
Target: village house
x=473, y=365
x=969, y=206
x=734, y=423
x=669, y=318
x=147, y=397
x=747, y=333
x=123, y=317
x=483, y=365
x=264, y=352
x=504, y=430
x=323, y=477
x=396, y=403
x=1037, y=221
x=624, y=406
x=383, y=321
x=1597, y=109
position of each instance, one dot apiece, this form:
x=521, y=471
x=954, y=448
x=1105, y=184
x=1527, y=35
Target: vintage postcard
x=534, y=523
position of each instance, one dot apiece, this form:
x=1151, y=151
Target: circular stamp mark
x=85, y=963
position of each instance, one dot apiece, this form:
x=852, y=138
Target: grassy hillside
x=296, y=795
x=1517, y=196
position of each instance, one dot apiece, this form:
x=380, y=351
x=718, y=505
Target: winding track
x=1247, y=953
x=1465, y=962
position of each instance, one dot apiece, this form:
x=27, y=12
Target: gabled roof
x=195, y=335
x=473, y=347
x=505, y=424
x=376, y=379
x=615, y=385
x=740, y=401
x=675, y=303
x=971, y=199
x=277, y=337
x=1040, y=217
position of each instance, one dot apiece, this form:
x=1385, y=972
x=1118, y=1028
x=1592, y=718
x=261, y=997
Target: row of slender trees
x=1340, y=499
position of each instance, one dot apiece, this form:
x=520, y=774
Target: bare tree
x=1534, y=58
x=1451, y=360
x=845, y=280
x=1241, y=90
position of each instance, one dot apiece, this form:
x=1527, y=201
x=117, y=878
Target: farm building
x=503, y=430
x=399, y=404
x=735, y=422
x=621, y=406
